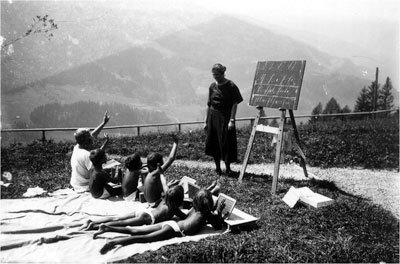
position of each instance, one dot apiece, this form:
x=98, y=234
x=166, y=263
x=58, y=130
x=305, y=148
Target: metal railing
x=180, y=124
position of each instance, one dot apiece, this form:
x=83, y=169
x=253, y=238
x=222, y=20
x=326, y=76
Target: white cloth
x=80, y=164
x=47, y=217
x=174, y=225
x=150, y=213
x=131, y=197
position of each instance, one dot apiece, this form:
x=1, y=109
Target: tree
x=41, y=25
x=364, y=100
x=385, y=97
x=346, y=109
x=332, y=107
x=316, y=111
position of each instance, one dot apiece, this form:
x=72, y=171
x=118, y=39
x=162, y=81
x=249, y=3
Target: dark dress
x=221, y=142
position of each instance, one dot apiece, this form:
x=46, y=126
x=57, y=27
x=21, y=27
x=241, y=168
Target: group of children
x=164, y=199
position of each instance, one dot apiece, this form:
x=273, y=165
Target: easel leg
x=296, y=135
x=278, y=151
x=250, y=144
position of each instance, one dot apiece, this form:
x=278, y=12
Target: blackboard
x=277, y=84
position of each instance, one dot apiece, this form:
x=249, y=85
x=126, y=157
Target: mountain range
x=171, y=72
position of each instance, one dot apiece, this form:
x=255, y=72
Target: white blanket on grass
x=47, y=229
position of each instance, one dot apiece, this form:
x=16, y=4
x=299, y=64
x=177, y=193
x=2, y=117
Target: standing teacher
x=223, y=98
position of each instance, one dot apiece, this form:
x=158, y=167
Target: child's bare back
x=154, y=183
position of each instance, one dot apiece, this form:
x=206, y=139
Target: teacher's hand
x=231, y=124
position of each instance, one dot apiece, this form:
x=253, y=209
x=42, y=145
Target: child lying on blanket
x=155, y=183
x=99, y=178
x=201, y=214
x=167, y=208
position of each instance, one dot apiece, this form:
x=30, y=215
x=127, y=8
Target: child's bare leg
x=140, y=230
x=142, y=219
x=85, y=225
x=93, y=224
x=157, y=234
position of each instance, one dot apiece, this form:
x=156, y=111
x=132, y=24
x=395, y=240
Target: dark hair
x=174, y=196
x=133, y=162
x=218, y=67
x=97, y=156
x=203, y=201
x=83, y=136
x=153, y=159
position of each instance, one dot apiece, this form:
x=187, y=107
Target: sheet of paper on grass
x=306, y=196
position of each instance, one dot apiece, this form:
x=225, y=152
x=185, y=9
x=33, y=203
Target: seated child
x=80, y=162
x=155, y=183
x=201, y=214
x=99, y=178
x=167, y=208
x=130, y=179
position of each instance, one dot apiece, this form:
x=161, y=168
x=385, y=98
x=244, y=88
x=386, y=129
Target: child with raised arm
x=167, y=208
x=99, y=178
x=201, y=214
x=80, y=162
x=155, y=183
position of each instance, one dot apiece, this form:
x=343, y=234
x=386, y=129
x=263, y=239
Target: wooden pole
x=250, y=144
x=278, y=151
x=43, y=136
x=375, y=97
x=296, y=135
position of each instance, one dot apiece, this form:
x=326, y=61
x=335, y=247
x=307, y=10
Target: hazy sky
x=285, y=10
x=318, y=16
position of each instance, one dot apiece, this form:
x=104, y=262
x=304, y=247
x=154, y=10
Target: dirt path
x=380, y=186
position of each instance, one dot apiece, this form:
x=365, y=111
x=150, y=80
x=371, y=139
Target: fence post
x=138, y=131
x=179, y=127
x=43, y=136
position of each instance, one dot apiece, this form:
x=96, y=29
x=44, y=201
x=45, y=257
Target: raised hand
x=106, y=118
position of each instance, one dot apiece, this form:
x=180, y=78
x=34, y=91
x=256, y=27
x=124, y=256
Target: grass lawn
x=351, y=230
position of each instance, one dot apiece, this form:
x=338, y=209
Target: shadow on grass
x=311, y=182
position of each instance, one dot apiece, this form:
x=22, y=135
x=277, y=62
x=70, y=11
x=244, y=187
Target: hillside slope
x=174, y=71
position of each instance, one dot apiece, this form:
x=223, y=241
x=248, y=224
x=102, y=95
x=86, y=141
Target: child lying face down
x=155, y=182
x=167, y=208
x=201, y=214
x=99, y=178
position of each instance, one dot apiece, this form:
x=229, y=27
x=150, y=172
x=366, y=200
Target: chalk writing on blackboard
x=277, y=84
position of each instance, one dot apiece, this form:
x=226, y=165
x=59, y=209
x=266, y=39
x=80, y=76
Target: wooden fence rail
x=180, y=124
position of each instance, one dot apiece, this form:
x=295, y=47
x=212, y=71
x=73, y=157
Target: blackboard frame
x=277, y=84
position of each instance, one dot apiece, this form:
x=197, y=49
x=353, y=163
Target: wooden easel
x=276, y=131
x=263, y=89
